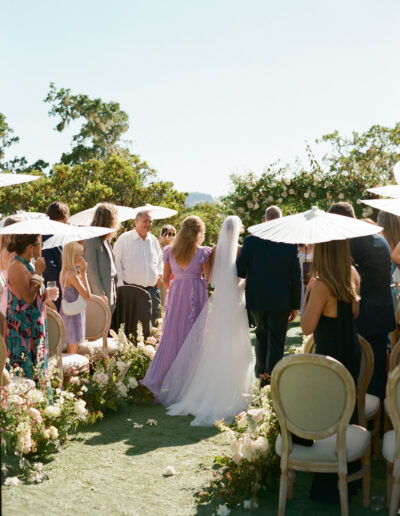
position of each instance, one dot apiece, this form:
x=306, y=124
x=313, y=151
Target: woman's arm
x=21, y=280
x=166, y=275
x=80, y=281
x=355, y=278
x=395, y=254
x=206, y=267
x=313, y=306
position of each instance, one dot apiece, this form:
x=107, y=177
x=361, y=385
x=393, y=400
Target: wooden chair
x=98, y=320
x=394, y=362
x=391, y=441
x=4, y=376
x=64, y=362
x=314, y=397
x=309, y=345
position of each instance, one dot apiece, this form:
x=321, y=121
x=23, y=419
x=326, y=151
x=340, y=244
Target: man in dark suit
x=273, y=289
x=371, y=256
x=59, y=212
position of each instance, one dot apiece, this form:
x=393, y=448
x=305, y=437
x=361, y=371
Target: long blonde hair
x=187, y=239
x=69, y=252
x=332, y=265
x=391, y=228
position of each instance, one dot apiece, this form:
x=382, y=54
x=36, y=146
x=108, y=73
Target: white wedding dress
x=214, y=367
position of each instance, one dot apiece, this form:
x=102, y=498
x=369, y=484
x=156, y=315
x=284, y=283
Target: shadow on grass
x=170, y=431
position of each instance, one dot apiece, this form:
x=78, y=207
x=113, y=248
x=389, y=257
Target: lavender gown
x=74, y=324
x=187, y=296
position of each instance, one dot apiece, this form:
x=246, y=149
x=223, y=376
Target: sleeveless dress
x=336, y=337
x=186, y=297
x=74, y=324
x=25, y=329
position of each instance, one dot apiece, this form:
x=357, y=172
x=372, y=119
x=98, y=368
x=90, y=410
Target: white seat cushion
x=388, y=447
x=72, y=360
x=372, y=404
x=324, y=450
x=97, y=346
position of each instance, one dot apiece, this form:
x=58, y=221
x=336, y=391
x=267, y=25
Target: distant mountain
x=195, y=197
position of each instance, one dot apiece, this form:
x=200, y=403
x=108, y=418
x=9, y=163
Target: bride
x=214, y=366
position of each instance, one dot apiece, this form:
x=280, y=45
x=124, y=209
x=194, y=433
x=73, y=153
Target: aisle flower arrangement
x=251, y=466
x=112, y=380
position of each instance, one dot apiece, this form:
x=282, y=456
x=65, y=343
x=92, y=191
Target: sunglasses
x=170, y=234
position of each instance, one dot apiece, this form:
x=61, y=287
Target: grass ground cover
x=113, y=469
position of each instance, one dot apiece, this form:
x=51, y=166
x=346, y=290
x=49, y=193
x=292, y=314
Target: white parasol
x=157, y=212
x=45, y=226
x=312, y=227
x=388, y=205
x=16, y=179
x=389, y=190
x=85, y=217
x=25, y=215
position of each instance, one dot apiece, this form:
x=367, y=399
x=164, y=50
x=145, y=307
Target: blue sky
x=212, y=86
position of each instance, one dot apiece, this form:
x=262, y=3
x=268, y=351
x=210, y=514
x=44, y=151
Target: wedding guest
x=167, y=236
x=5, y=260
x=139, y=260
x=188, y=261
x=59, y=212
x=25, y=330
x=74, y=284
x=371, y=257
x=99, y=255
x=391, y=232
x=273, y=290
x=331, y=305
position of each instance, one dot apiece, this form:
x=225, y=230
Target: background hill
x=195, y=197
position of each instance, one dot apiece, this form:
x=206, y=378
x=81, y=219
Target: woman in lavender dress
x=74, y=283
x=187, y=260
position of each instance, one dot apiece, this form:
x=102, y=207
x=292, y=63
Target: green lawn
x=113, y=469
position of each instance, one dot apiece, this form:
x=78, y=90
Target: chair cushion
x=97, y=346
x=388, y=447
x=324, y=450
x=72, y=360
x=372, y=404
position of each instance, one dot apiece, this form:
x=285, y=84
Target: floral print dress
x=25, y=329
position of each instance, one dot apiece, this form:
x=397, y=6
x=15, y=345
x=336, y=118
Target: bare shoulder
x=320, y=288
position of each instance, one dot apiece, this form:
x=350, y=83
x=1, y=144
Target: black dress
x=336, y=337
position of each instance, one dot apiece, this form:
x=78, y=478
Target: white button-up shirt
x=138, y=261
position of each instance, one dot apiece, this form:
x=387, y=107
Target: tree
x=103, y=125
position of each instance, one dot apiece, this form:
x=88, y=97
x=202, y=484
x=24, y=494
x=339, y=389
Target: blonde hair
x=69, y=252
x=186, y=241
x=391, y=228
x=332, y=265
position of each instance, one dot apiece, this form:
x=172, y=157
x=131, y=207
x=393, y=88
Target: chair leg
x=394, y=500
x=291, y=481
x=283, y=493
x=366, y=479
x=389, y=483
x=344, y=501
x=376, y=432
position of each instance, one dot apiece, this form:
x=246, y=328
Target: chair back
x=314, y=396
x=309, y=345
x=393, y=401
x=364, y=377
x=394, y=357
x=56, y=335
x=98, y=320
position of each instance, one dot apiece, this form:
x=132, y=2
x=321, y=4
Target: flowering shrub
x=252, y=464
x=35, y=424
x=112, y=380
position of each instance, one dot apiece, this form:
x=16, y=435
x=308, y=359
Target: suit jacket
x=371, y=255
x=273, y=275
x=100, y=258
x=53, y=267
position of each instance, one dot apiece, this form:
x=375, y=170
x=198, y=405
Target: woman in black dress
x=332, y=304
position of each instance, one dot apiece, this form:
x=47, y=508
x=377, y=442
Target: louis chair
x=314, y=398
x=393, y=363
x=391, y=441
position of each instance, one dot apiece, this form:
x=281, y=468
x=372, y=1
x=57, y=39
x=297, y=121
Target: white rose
x=140, y=346
x=250, y=205
x=256, y=414
x=261, y=444
x=341, y=196
x=223, y=510
x=242, y=420
x=53, y=432
x=35, y=414
x=169, y=471
x=235, y=446
x=313, y=194
x=237, y=457
x=307, y=195
x=133, y=383
x=123, y=391
x=24, y=441
x=270, y=198
x=248, y=449
x=52, y=411
x=35, y=396
x=80, y=408
x=14, y=399
x=151, y=340
x=11, y=481
x=284, y=194
x=291, y=191
x=149, y=351
x=101, y=378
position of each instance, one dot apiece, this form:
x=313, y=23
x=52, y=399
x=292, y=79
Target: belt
x=140, y=286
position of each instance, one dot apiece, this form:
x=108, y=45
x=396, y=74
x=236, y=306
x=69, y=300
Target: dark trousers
x=271, y=328
x=378, y=342
x=155, y=303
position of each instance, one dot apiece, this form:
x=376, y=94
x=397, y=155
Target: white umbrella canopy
x=44, y=226
x=389, y=190
x=312, y=227
x=157, y=212
x=25, y=215
x=16, y=179
x=388, y=205
x=85, y=217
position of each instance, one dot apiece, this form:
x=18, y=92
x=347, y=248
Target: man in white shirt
x=139, y=260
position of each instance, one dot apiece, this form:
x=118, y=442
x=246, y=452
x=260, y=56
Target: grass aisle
x=111, y=468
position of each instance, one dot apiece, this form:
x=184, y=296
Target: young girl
x=73, y=284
